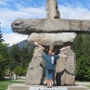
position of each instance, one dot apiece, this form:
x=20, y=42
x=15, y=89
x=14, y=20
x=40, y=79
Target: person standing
x=49, y=65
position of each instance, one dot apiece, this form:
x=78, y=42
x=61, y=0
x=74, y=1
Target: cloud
x=70, y=12
x=3, y=3
x=14, y=38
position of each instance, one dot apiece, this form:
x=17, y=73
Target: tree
x=25, y=55
x=14, y=56
x=18, y=70
x=3, y=59
x=3, y=56
x=1, y=39
x=82, y=50
x=20, y=58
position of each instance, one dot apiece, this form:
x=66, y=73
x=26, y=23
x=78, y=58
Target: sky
x=11, y=10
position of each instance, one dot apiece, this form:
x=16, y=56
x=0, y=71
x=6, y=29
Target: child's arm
x=39, y=45
x=36, y=55
x=65, y=56
x=65, y=48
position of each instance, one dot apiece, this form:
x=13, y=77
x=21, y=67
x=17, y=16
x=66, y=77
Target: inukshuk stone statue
x=56, y=31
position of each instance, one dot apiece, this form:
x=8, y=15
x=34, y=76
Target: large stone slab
x=46, y=39
x=65, y=68
x=35, y=73
x=27, y=26
x=40, y=87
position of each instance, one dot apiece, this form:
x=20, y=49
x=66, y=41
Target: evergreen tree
x=3, y=56
x=3, y=59
x=1, y=36
x=14, y=56
x=82, y=50
x=20, y=59
x=26, y=56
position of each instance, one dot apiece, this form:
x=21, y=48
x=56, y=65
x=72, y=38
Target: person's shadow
x=58, y=77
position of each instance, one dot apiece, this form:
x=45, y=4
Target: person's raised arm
x=36, y=55
x=39, y=45
x=65, y=48
x=65, y=56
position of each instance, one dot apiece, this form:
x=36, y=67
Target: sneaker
x=50, y=86
x=47, y=86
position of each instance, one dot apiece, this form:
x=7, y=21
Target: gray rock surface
x=52, y=9
x=28, y=26
x=46, y=39
x=65, y=68
x=41, y=87
x=35, y=73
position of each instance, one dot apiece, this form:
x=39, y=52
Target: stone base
x=41, y=87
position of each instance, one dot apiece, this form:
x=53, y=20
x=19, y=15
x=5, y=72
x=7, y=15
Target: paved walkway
x=82, y=83
x=76, y=82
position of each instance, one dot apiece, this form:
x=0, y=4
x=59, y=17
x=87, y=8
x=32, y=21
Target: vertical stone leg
x=65, y=68
x=35, y=73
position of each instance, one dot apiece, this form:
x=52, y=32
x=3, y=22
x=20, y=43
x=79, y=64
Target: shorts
x=49, y=74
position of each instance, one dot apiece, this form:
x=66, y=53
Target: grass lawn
x=88, y=86
x=4, y=84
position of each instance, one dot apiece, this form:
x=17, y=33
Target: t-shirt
x=55, y=52
x=49, y=61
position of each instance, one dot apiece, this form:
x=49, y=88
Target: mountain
x=21, y=45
